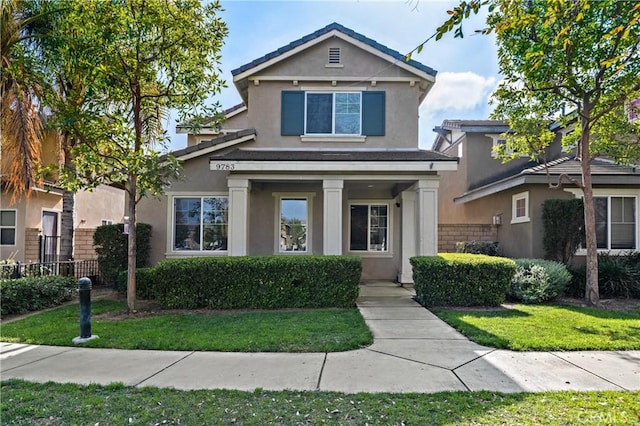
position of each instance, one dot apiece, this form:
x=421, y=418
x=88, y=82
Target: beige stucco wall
x=401, y=116
x=103, y=203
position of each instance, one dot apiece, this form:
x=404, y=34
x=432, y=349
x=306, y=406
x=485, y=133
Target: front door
x=50, y=237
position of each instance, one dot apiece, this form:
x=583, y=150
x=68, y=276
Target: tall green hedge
x=563, y=228
x=258, y=282
x=461, y=279
x=111, y=246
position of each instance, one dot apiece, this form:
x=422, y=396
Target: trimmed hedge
x=538, y=280
x=258, y=282
x=462, y=279
x=32, y=294
x=145, y=283
x=112, y=246
x=490, y=248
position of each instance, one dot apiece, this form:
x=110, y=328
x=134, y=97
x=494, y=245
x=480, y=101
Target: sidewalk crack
x=164, y=369
x=590, y=372
x=39, y=359
x=324, y=362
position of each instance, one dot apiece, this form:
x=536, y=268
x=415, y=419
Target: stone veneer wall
x=31, y=245
x=449, y=235
x=83, y=244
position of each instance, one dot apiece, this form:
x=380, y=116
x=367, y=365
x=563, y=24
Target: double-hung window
x=336, y=113
x=200, y=223
x=369, y=227
x=7, y=227
x=333, y=114
x=616, y=222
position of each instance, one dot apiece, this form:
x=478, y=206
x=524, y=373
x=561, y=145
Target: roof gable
x=334, y=30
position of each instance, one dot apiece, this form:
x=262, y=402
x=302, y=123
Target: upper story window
x=7, y=227
x=336, y=113
x=334, y=56
x=347, y=114
x=634, y=111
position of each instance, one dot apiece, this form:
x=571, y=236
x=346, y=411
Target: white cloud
x=458, y=91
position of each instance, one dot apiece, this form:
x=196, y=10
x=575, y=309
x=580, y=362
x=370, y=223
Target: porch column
x=408, y=199
x=332, y=216
x=238, y=231
x=427, y=217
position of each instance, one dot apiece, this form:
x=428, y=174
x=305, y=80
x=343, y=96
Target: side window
x=520, y=208
x=7, y=227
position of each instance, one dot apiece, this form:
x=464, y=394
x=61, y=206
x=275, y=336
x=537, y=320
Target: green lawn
x=66, y=404
x=321, y=330
x=547, y=327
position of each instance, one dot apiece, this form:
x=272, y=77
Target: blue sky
x=467, y=68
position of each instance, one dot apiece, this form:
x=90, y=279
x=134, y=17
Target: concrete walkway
x=413, y=351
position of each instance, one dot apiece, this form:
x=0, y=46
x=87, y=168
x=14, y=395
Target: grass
x=548, y=327
x=321, y=330
x=26, y=403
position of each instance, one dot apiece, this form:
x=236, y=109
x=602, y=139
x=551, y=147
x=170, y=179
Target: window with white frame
x=7, y=227
x=200, y=223
x=616, y=222
x=106, y=222
x=337, y=113
x=520, y=207
x=369, y=227
x=294, y=225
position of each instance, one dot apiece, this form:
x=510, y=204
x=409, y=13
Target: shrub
x=145, y=282
x=258, y=282
x=111, y=247
x=461, y=279
x=563, y=228
x=538, y=280
x=618, y=276
x=32, y=294
x=490, y=248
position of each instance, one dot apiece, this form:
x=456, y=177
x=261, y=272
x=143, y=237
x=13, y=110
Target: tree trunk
x=68, y=206
x=592, y=295
x=131, y=250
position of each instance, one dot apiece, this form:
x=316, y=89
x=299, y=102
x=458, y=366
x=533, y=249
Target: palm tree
x=21, y=124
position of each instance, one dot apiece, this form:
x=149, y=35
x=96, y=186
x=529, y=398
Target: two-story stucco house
x=322, y=157
x=486, y=199
x=30, y=227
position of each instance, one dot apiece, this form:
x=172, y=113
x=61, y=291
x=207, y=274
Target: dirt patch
x=617, y=304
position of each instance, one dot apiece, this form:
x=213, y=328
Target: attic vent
x=334, y=55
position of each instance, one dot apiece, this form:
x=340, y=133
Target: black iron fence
x=76, y=268
x=49, y=248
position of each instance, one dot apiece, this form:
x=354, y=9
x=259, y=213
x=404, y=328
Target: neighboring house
x=322, y=157
x=486, y=199
x=30, y=227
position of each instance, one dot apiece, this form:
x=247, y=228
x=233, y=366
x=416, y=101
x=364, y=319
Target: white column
x=427, y=217
x=238, y=234
x=408, y=199
x=332, y=216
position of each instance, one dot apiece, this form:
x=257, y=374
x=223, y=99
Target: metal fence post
x=84, y=290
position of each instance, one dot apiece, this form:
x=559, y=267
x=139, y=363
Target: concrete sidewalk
x=413, y=351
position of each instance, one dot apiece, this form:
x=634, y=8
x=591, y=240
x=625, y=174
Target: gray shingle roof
x=349, y=156
x=331, y=27
x=569, y=165
x=212, y=142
